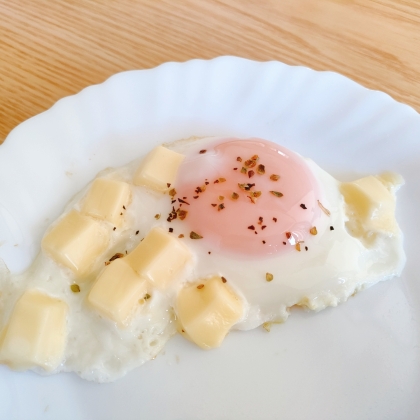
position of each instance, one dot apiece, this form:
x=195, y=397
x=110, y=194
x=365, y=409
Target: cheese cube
x=371, y=203
x=207, y=311
x=76, y=241
x=159, y=257
x=105, y=200
x=159, y=169
x=36, y=333
x=117, y=292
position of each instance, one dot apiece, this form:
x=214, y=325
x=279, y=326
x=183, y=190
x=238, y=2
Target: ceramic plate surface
x=358, y=361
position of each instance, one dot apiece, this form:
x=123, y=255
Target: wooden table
x=50, y=49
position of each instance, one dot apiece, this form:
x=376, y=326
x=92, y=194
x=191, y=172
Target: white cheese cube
x=117, y=292
x=159, y=257
x=207, y=311
x=371, y=203
x=76, y=241
x=36, y=333
x=159, y=169
x=105, y=200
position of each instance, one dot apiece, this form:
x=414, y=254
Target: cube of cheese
x=36, y=333
x=207, y=311
x=159, y=169
x=117, y=292
x=105, y=200
x=371, y=203
x=159, y=257
x=76, y=241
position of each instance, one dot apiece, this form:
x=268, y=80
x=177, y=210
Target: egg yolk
x=248, y=197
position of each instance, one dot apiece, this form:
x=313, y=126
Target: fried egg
x=276, y=228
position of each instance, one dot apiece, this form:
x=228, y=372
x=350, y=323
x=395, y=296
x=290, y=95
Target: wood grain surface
x=50, y=49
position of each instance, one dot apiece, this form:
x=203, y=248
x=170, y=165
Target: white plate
x=358, y=361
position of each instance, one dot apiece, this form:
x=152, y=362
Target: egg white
x=335, y=266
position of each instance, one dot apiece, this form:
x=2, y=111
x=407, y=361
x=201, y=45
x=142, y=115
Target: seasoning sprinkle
x=275, y=219
x=207, y=183
x=115, y=256
x=331, y=227
x=203, y=151
x=107, y=263
x=288, y=235
x=276, y=193
x=180, y=236
x=234, y=196
x=147, y=296
x=251, y=174
x=263, y=242
x=220, y=207
x=269, y=276
x=200, y=286
x=75, y=288
x=195, y=196
x=137, y=232
x=313, y=231
x=284, y=243
x=224, y=280
x=326, y=211
x=222, y=179
x=243, y=170
x=253, y=199
x=221, y=198
x=260, y=220
x=172, y=192
x=194, y=235
x=183, y=201
x=263, y=227
x=182, y=214
x=252, y=227
x=168, y=184
x=297, y=246
x=157, y=216
x=216, y=182
x=124, y=208
x=303, y=206
x=246, y=187
x=306, y=248
x=235, y=169
x=114, y=228
x=261, y=169
x=209, y=252
x=274, y=177
x=250, y=163
x=120, y=214
x=214, y=205
x=239, y=159
x=171, y=230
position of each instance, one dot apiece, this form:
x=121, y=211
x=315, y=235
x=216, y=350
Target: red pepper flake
x=253, y=199
x=244, y=170
x=180, y=236
x=195, y=197
x=284, y=243
x=261, y=169
x=207, y=183
x=251, y=174
x=263, y=227
x=313, y=231
x=200, y=286
x=224, y=280
x=252, y=227
x=216, y=182
x=182, y=214
x=239, y=159
x=214, y=205
x=275, y=219
x=203, y=151
x=220, y=207
x=263, y=242
x=234, y=196
x=235, y=169
x=183, y=201
x=288, y=235
x=168, y=184
x=306, y=248
x=114, y=228
x=277, y=193
x=171, y=230
x=209, y=252
x=137, y=232
x=331, y=227
x=173, y=201
x=172, y=192
x=246, y=187
x=274, y=177
x=194, y=235
x=326, y=211
x=260, y=220
x=221, y=198
x=303, y=206
x=222, y=179
x=256, y=232
x=250, y=163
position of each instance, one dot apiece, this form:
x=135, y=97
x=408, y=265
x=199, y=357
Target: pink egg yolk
x=248, y=197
